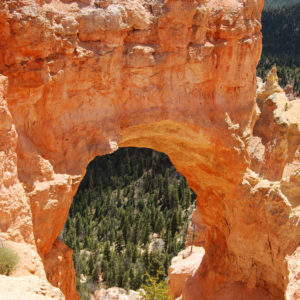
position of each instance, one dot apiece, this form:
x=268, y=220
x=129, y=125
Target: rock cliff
x=184, y=266
x=275, y=142
x=82, y=78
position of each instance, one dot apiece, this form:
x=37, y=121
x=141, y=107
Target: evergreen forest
x=277, y=3
x=129, y=218
x=281, y=42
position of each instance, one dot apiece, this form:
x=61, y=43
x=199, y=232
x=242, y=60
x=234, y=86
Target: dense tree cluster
x=123, y=199
x=277, y=3
x=281, y=40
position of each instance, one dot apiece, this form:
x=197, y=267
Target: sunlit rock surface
x=28, y=288
x=115, y=293
x=82, y=78
x=183, y=266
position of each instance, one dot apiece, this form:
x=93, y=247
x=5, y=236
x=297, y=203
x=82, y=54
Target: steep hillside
x=122, y=201
x=281, y=40
x=276, y=3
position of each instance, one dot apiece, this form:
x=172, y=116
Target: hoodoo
x=82, y=78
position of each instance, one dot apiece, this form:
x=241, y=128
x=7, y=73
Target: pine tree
x=159, y=224
x=146, y=234
x=106, y=252
x=96, y=272
x=174, y=223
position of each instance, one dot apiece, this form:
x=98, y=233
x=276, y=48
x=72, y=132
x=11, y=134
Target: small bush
x=8, y=260
x=155, y=289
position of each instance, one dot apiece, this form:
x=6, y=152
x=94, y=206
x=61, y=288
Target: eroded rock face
x=82, y=78
x=184, y=266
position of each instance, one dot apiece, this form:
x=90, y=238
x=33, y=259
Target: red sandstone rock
x=183, y=266
x=81, y=78
x=59, y=267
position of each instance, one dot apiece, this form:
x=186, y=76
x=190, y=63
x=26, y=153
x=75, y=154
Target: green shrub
x=8, y=260
x=155, y=289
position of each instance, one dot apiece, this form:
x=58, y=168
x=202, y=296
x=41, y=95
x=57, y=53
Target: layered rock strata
x=82, y=78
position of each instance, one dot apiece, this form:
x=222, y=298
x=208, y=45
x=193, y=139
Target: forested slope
x=277, y=3
x=123, y=199
x=281, y=43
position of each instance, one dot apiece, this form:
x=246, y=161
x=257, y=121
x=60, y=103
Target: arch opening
x=214, y=164
x=129, y=217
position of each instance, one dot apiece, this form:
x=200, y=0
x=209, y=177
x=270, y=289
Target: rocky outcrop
x=58, y=265
x=183, y=266
x=28, y=288
x=115, y=293
x=82, y=78
x=271, y=180
x=278, y=131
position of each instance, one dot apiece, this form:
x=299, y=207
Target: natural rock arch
x=175, y=76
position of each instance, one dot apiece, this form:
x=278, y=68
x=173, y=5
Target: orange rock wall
x=82, y=78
